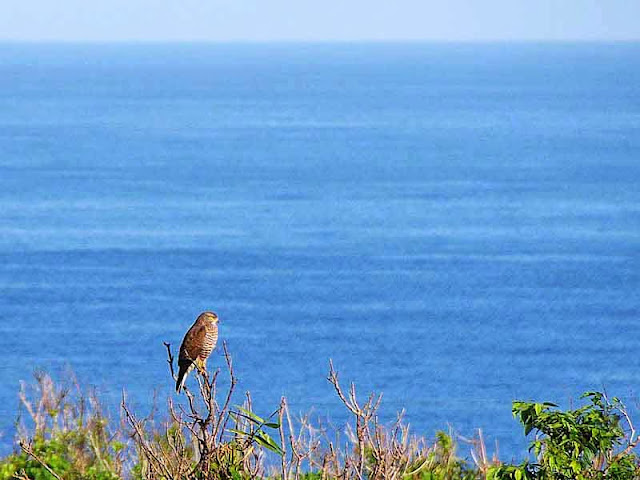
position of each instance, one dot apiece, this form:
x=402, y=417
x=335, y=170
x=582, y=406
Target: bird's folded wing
x=193, y=342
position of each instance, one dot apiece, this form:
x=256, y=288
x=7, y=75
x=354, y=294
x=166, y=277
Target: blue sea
x=455, y=225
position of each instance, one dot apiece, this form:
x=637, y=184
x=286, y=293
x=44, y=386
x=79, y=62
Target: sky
x=318, y=20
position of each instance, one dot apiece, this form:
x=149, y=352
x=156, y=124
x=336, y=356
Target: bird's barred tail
x=182, y=376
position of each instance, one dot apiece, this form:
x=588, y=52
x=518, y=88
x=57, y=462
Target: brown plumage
x=197, y=345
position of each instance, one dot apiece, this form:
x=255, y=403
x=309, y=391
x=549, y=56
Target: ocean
x=455, y=225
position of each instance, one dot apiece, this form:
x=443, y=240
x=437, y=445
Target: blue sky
x=326, y=20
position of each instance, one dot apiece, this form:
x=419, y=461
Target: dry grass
x=68, y=415
x=208, y=434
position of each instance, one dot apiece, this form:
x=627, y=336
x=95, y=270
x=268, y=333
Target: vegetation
x=209, y=436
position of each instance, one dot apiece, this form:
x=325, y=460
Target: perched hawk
x=197, y=345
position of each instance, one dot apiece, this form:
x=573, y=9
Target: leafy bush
x=64, y=434
x=62, y=456
x=586, y=443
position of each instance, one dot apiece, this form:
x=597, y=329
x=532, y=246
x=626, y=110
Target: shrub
x=208, y=435
x=64, y=435
x=586, y=443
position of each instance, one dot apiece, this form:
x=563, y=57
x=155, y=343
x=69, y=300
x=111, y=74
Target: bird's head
x=209, y=317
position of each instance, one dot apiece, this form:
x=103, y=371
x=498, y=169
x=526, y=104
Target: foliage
x=443, y=463
x=69, y=436
x=63, y=455
x=65, y=436
x=586, y=443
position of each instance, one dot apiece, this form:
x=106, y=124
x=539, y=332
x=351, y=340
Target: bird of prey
x=197, y=345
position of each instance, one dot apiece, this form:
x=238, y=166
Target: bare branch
x=219, y=427
x=170, y=360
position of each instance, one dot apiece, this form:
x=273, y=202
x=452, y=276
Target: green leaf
x=266, y=441
x=575, y=466
x=251, y=415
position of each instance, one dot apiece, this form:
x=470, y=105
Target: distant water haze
x=456, y=226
